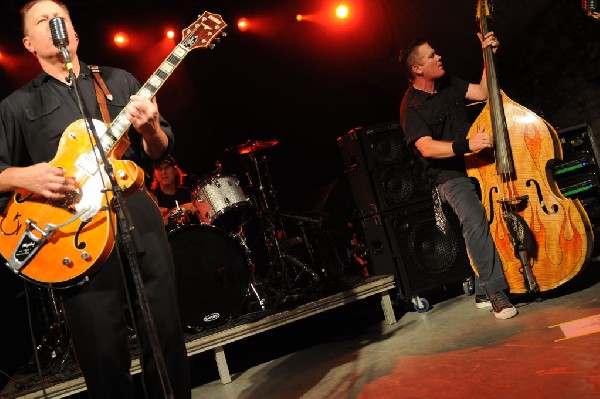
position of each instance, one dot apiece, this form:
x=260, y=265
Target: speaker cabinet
x=408, y=245
x=395, y=211
x=383, y=173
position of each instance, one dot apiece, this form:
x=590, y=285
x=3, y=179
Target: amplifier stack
x=578, y=175
x=394, y=204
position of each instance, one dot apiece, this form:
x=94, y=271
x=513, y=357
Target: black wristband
x=461, y=146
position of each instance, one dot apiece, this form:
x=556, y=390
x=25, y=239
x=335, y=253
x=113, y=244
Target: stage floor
x=550, y=350
x=454, y=350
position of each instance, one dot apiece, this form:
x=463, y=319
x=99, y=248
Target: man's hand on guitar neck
x=145, y=118
x=42, y=178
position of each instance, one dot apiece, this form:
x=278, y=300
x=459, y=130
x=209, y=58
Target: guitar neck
x=200, y=33
x=121, y=124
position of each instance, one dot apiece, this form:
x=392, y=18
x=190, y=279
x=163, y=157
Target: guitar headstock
x=203, y=31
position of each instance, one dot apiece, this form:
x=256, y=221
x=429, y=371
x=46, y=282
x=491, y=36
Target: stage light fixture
x=170, y=33
x=243, y=24
x=121, y=39
x=342, y=11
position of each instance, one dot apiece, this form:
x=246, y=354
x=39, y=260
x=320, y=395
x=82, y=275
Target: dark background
x=306, y=84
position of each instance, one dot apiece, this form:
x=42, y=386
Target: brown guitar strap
x=102, y=93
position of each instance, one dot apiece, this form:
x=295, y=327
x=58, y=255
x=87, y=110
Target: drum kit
x=237, y=259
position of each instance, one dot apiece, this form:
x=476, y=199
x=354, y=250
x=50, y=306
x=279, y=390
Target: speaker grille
x=431, y=250
x=430, y=258
x=388, y=147
x=397, y=185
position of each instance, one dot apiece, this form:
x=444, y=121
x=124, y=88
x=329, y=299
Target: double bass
x=543, y=238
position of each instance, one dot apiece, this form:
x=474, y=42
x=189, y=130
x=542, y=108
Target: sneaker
x=482, y=302
x=501, y=306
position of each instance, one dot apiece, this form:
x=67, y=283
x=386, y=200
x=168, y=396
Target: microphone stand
x=127, y=235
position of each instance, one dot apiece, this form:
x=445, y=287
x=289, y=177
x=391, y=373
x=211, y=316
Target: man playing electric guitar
x=32, y=120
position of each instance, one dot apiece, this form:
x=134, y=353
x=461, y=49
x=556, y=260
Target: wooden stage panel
x=66, y=385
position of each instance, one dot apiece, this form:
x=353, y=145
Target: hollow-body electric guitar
x=60, y=243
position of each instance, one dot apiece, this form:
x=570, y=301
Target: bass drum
x=213, y=275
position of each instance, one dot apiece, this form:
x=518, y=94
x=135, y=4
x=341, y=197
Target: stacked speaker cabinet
x=383, y=174
x=393, y=200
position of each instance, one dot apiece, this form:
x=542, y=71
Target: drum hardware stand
x=281, y=261
x=263, y=204
x=300, y=221
x=267, y=210
x=241, y=238
x=56, y=342
x=274, y=235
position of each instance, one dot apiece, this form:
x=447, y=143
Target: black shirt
x=443, y=117
x=34, y=117
x=182, y=196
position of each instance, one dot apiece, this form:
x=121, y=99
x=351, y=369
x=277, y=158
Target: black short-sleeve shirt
x=443, y=117
x=170, y=201
x=34, y=117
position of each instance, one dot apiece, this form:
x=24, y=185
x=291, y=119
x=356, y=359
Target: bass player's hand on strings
x=480, y=140
x=490, y=40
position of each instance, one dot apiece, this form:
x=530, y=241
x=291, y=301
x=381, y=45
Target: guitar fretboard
x=120, y=124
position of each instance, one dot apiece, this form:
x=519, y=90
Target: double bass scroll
x=543, y=238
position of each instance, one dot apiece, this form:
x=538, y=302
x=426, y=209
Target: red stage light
x=121, y=39
x=299, y=17
x=243, y=24
x=170, y=33
x=342, y=11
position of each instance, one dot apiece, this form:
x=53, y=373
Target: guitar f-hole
x=80, y=245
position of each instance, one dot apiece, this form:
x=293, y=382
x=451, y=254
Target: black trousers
x=96, y=315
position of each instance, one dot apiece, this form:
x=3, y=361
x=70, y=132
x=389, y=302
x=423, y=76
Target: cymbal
x=252, y=146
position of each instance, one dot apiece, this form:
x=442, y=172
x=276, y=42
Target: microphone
x=60, y=39
x=590, y=6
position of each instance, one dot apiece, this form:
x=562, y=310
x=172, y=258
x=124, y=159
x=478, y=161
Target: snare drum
x=221, y=202
x=178, y=218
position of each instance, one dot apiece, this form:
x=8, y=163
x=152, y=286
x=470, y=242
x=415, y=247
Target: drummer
x=173, y=198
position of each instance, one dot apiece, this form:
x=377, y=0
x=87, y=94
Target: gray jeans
x=460, y=193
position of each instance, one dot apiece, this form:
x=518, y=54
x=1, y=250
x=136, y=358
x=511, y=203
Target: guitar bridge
x=29, y=243
x=28, y=246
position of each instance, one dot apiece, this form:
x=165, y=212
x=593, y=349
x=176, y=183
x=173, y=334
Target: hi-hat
x=252, y=146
